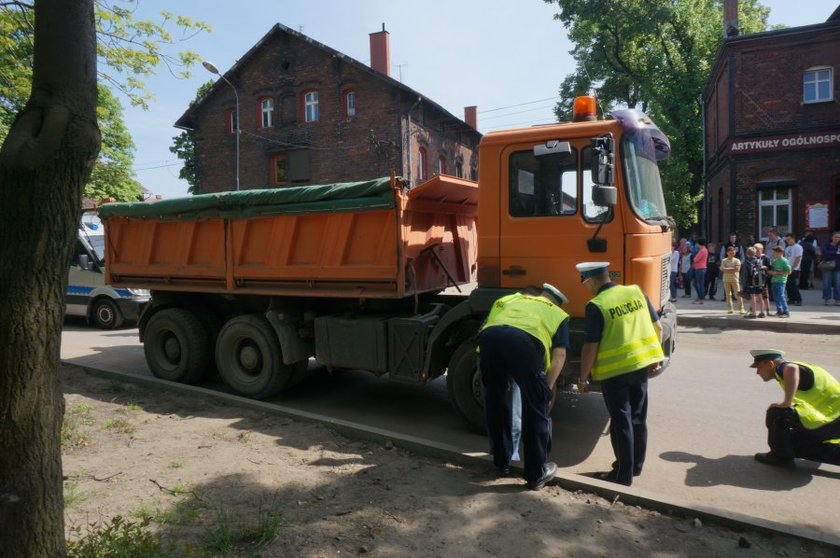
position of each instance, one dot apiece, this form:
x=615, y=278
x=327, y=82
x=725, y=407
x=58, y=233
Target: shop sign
x=787, y=142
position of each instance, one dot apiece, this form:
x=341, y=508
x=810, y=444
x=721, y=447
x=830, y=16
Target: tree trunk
x=44, y=163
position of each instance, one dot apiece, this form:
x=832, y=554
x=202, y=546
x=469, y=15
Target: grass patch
x=119, y=425
x=133, y=407
x=233, y=537
x=74, y=418
x=120, y=537
x=176, y=464
x=72, y=495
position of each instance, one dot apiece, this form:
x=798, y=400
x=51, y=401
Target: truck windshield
x=639, y=159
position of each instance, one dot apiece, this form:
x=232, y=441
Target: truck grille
x=665, y=291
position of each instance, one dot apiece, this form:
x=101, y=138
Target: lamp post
x=210, y=67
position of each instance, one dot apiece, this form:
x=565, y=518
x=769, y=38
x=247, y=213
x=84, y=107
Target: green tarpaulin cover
x=325, y=198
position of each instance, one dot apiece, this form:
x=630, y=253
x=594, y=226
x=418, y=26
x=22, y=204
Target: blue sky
x=508, y=57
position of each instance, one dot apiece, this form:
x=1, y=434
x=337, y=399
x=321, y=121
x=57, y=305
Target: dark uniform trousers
x=626, y=399
x=507, y=353
x=787, y=437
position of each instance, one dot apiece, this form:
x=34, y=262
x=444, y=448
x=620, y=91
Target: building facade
x=308, y=114
x=772, y=133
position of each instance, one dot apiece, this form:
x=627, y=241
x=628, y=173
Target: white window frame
x=310, y=106
x=267, y=112
x=775, y=204
x=811, y=78
x=350, y=104
x=234, y=121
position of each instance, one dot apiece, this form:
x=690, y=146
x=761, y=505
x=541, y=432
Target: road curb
x=768, y=324
x=568, y=481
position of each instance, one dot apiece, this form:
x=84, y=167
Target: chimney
x=380, y=52
x=471, y=116
x=730, y=18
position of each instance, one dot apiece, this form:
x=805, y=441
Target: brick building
x=772, y=132
x=312, y=115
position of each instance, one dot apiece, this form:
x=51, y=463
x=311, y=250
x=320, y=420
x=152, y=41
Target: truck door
x=547, y=218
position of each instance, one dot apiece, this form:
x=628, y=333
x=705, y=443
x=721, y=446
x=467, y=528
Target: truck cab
x=87, y=294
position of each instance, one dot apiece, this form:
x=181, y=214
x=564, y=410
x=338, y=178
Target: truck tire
x=463, y=381
x=249, y=359
x=106, y=315
x=176, y=346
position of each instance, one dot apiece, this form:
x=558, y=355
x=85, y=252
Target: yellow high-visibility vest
x=629, y=341
x=819, y=405
x=534, y=315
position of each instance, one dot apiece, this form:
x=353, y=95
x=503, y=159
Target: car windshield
x=639, y=160
x=97, y=242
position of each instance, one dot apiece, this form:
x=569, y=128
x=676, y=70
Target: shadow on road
x=739, y=470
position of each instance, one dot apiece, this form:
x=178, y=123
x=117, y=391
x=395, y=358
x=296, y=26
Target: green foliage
x=118, y=538
x=655, y=56
x=184, y=146
x=128, y=50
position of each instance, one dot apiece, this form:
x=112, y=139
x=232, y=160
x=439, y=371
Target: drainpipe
x=408, y=139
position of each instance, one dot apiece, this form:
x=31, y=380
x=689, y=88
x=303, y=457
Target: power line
x=497, y=116
x=521, y=104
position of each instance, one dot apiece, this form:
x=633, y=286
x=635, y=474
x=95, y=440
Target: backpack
x=756, y=273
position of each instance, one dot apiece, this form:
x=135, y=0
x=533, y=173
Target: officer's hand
x=583, y=387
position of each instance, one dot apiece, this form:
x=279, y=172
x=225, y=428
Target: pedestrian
x=685, y=269
x=733, y=242
x=779, y=271
x=524, y=340
x=698, y=264
x=675, y=270
x=806, y=423
x=773, y=240
x=754, y=283
x=712, y=271
x=829, y=266
x=622, y=345
x=793, y=255
x=730, y=266
x=809, y=259
x=766, y=295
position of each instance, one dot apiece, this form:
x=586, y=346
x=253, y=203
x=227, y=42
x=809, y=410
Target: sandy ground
x=235, y=482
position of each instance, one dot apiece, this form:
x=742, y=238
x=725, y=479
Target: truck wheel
x=106, y=315
x=176, y=346
x=249, y=359
x=464, y=383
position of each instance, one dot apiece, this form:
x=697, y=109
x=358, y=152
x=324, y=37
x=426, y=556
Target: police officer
x=622, y=345
x=806, y=423
x=524, y=338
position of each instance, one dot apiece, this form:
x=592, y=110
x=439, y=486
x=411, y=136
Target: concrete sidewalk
x=812, y=317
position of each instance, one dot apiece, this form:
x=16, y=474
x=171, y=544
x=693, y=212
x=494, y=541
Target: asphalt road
x=706, y=420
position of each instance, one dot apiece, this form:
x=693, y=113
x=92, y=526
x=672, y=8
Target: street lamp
x=210, y=67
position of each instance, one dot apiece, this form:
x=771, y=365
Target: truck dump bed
x=362, y=239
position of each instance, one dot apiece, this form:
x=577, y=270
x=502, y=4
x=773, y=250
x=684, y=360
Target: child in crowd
x=730, y=266
x=754, y=281
x=779, y=271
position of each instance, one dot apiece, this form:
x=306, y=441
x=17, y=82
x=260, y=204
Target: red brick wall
x=342, y=149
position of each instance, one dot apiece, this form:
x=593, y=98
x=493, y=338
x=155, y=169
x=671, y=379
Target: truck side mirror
x=603, y=157
x=84, y=262
x=604, y=196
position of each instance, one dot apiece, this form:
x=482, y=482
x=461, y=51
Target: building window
x=817, y=85
x=459, y=169
x=441, y=165
x=290, y=167
x=267, y=113
x=231, y=123
x=310, y=106
x=423, y=170
x=349, y=104
x=774, y=210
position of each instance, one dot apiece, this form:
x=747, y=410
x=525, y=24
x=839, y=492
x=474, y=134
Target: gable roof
x=186, y=121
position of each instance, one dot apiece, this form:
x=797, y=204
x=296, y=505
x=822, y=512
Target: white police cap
x=760, y=355
x=555, y=292
x=588, y=269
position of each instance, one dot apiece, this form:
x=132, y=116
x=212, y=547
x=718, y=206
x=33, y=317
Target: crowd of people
x=756, y=274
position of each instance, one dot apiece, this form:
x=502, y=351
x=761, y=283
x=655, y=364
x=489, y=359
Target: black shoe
x=549, y=470
x=771, y=458
x=502, y=472
x=610, y=476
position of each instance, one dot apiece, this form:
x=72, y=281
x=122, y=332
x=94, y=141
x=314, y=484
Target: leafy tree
x=653, y=55
x=45, y=161
x=122, y=51
x=184, y=145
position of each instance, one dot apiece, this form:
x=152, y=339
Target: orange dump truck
x=376, y=276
